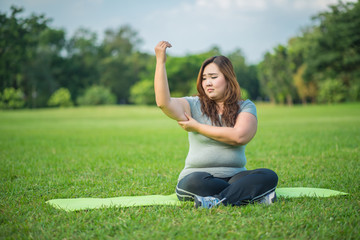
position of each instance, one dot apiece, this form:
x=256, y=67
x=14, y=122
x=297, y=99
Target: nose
x=208, y=82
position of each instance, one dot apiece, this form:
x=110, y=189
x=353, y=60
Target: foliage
x=245, y=74
x=31, y=59
x=336, y=51
x=143, y=92
x=182, y=73
x=11, y=98
x=244, y=94
x=18, y=43
x=354, y=91
x=121, y=63
x=61, y=98
x=115, y=151
x=97, y=95
x=81, y=66
x=305, y=89
x=329, y=50
x=38, y=59
x=332, y=91
x=275, y=76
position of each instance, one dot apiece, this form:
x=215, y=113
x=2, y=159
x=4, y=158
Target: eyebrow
x=210, y=74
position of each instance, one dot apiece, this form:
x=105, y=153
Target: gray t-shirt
x=207, y=155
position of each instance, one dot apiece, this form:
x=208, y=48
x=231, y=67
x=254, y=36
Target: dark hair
x=232, y=94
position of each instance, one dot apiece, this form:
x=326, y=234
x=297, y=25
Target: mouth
x=210, y=90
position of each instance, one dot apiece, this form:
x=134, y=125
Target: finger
x=160, y=46
x=166, y=44
x=160, y=43
x=187, y=115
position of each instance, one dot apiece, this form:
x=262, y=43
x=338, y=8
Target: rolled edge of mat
x=292, y=192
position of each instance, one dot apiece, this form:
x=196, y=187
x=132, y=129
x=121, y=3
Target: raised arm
x=172, y=107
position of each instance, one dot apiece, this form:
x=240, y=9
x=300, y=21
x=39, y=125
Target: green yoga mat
x=76, y=204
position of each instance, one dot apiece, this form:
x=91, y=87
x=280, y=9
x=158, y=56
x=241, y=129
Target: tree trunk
x=289, y=100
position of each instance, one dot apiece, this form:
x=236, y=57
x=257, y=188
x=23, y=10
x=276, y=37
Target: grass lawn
x=127, y=150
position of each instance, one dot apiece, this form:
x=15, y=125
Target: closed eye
x=211, y=76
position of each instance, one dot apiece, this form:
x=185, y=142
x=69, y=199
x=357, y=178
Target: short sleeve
x=194, y=103
x=195, y=107
x=248, y=106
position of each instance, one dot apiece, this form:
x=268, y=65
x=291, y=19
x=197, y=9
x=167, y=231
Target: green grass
x=126, y=150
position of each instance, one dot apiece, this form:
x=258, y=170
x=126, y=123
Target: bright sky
x=192, y=26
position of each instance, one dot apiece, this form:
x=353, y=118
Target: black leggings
x=241, y=189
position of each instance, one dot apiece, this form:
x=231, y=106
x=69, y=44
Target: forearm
x=229, y=135
x=242, y=132
x=161, y=86
x=172, y=107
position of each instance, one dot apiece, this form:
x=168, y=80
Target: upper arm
x=246, y=126
x=176, y=109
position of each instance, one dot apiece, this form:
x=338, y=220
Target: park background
x=42, y=66
x=55, y=144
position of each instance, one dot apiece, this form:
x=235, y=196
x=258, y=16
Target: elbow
x=239, y=141
x=159, y=105
x=162, y=106
x=243, y=138
x=162, y=103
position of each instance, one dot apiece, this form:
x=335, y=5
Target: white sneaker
x=269, y=198
x=207, y=202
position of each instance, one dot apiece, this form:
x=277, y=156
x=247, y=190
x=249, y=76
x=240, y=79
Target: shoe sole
x=197, y=203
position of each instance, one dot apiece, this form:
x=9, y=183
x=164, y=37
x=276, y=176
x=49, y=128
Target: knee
x=268, y=175
x=272, y=176
x=192, y=182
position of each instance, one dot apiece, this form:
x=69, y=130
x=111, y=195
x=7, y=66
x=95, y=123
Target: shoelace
x=211, y=203
x=220, y=201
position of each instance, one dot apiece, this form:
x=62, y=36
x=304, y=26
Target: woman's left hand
x=190, y=125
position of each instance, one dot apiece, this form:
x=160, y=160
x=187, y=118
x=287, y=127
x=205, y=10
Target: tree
x=81, y=66
x=305, y=89
x=121, y=62
x=268, y=85
x=332, y=91
x=40, y=74
x=182, y=74
x=276, y=76
x=183, y=71
x=319, y=56
x=18, y=46
x=11, y=98
x=336, y=50
x=299, y=49
x=143, y=92
x=245, y=74
x=60, y=98
x=97, y=95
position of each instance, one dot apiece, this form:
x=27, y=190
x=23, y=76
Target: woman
x=220, y=125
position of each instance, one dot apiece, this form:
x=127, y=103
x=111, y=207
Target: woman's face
x=213, y=82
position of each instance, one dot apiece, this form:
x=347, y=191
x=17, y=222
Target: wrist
x=160, y=61
x=198, y=127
